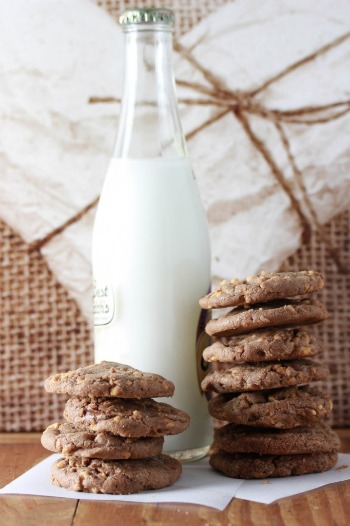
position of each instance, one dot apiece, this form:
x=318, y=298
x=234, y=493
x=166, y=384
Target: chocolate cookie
x=263, y=345
x=255, y=466
x=281, y=408
x=300, y=440
x=271, y=375
x=109, y=379
x=115, y=477
x=66, y=439
x=127, y=418
x=282, y=313
x=262, y=287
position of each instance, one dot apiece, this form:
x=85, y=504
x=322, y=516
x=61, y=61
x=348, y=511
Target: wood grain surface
x=326, y=506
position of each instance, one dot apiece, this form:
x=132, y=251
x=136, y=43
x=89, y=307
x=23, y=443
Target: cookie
x=262, y=287
x=300, y=440
x=126, y=417
x=270, y=375
x=255, y=466
x=282, y=313
x=66, y=439
x=115, y=477
x=281, y=408
x=109, y=379
x=263, y=345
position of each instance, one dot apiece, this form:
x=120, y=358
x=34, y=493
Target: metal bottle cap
x=147, y=16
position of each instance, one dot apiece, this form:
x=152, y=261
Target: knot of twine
x=243, y=104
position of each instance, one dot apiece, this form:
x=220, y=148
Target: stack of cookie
x=273, y=418
x=113, y=437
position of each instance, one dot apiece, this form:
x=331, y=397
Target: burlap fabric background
x=43, y=331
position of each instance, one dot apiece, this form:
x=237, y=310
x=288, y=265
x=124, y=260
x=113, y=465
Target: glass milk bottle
x=151, y=254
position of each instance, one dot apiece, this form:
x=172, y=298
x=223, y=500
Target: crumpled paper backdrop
x=243, y=44
x=55, y=145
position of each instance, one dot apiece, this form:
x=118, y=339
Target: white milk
x=151, y=264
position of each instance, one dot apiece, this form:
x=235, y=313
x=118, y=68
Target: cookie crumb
x=343, y=466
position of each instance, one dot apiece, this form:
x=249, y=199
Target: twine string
x=299, y=63
x=244, y=104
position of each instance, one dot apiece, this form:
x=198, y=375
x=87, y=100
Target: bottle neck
x=149, y=125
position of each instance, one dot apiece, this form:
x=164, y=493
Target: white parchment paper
x=199, y=484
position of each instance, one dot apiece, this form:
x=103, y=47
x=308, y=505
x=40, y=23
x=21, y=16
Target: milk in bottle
x=151, y=254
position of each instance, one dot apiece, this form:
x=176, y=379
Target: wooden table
x=20, y=451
